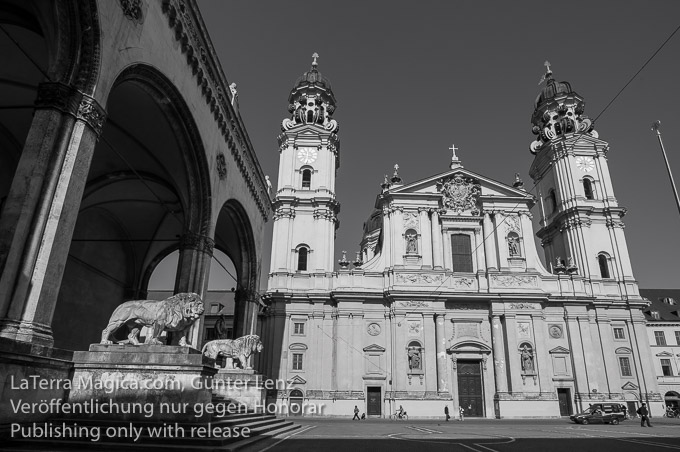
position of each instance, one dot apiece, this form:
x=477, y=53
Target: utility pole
x=655, y=127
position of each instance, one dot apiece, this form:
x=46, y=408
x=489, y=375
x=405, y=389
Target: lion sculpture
x=241, y=348
x=176, y=313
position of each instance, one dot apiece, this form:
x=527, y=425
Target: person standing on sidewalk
x=446, y=413
x=461, y=412
x=356, y=413
x=644, y=415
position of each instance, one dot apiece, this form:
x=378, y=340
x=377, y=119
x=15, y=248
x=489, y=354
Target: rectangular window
x=619, y=334
x=624, y=362
x=299, y=328
x=210, y=334
x=677, y=337
x=666, y=368
x=297, y=361
x=660, y=338
x=461, y=251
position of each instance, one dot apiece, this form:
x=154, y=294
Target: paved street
x=333, y=435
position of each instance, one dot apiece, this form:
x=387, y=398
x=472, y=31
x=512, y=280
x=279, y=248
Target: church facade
x=448, y=303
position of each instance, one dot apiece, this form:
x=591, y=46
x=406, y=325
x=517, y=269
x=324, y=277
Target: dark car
x=606, y=413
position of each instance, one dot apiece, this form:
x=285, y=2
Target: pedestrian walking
x=644, y=415
x=446, y=413
x=461, y=413
x=356, y=413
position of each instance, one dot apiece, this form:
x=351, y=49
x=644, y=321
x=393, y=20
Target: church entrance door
x=374, y=401
x=563, y=394
x=295, y=403
x=470, y=395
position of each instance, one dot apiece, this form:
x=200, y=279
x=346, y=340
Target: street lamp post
x=655, y=127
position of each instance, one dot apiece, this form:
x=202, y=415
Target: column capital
x=69, y=100
x=197, y=242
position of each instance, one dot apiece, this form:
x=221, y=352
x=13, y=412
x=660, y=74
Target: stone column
x=543, y=362
x=193, y=267
x=398, y=236
x=442, y=374
x=387, y=243
x=499, y=362
x=578, y=362
x=437, y=251
x=513, y=364
x=479, y=251
x=489, y=243
x=425, y=237
x=640, y=346
x=454, y=383
x=42, y=208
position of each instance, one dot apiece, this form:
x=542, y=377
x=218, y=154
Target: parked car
x=606, y=413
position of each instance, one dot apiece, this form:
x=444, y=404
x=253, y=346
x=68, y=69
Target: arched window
x=302, y=258
x=306, y=178
x=553, y=201
x=461, y=251
x=588, y=188
x=603, y=261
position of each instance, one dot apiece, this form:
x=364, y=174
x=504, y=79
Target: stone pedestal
x=142, y=382
x=242, y=386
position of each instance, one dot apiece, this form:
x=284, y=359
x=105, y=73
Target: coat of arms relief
x=461, y=194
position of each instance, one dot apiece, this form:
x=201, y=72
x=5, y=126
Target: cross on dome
x=314, y=62
x=548, y=72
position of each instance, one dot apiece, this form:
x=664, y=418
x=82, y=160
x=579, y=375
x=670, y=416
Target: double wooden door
x=470, y=394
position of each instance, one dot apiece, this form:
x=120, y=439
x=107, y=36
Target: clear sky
x=411, y=78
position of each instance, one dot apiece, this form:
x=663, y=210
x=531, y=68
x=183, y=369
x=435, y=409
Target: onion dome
x=558, y=111
x=311, y=101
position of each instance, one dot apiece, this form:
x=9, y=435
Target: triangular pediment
x=629, y=386
x=489, y=187
x=560, y=350
x=297, y=380
x=664, y=354
x=374, y=348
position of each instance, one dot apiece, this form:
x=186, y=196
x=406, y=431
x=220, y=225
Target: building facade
x=121, y=143
x=663, y=330
x=448, y=302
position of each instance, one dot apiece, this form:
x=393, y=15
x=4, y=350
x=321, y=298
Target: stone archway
x=234, y=236
x=147, y=194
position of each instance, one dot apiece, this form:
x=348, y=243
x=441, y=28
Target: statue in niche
x=414, y=358
x=513, y=245
x=411, y=243
x=527, y=358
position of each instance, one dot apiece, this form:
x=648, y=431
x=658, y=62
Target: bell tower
x=305, y=206
x=580, y=219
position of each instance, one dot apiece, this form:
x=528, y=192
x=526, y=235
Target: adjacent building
x=663, y=329
x=448, y=302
